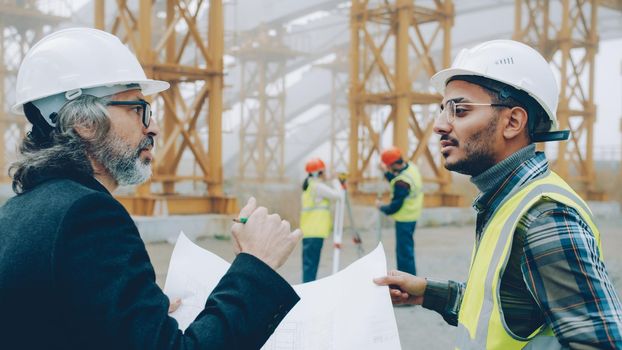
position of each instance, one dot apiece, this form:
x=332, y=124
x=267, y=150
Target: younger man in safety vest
x=405, y=206
x=315, y=219
x=537, y=279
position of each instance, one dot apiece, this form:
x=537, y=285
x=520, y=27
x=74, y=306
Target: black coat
x=74, y=274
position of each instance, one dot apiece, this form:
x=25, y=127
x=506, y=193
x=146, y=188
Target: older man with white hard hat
x=74, y=272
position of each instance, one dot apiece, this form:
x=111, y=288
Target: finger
x=395, y=273
x=274, y=218
x=236, y=229
x=387, y=280
x=285, y=226
x=259, y=213
x=174, y=305
x=381, y=281
x=248, y=209
x=236, y=245
x=296, y=235
x=396, y=300
x=395, y=293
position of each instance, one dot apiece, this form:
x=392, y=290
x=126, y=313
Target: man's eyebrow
x=143, y=100
x=456, y=100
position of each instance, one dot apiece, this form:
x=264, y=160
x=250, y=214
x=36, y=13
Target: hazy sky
x=608, y=94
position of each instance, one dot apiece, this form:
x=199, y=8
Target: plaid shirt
x=554, y=274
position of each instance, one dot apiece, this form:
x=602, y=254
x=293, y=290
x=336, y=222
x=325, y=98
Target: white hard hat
x=78, y=61
x=509, y=62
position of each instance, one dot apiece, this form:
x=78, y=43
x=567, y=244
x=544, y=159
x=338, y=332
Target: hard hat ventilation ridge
x=507, y=60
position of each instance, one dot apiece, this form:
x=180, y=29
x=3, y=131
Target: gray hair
x=65, y=151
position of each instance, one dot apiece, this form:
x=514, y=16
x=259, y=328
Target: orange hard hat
x=391, y=155
x=314, y=165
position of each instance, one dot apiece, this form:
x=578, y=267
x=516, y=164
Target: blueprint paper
x=192, y=275
x=343, y=311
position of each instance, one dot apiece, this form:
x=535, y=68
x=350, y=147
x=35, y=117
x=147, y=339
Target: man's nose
x=441, y=125
x=153, y=128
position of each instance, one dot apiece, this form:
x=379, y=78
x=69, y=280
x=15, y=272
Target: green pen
x=241, y=220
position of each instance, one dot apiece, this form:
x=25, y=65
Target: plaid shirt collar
x=518, y=176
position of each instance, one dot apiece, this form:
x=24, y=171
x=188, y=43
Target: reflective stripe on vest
x=413, y=203
x=315, y=218
x=481, y=321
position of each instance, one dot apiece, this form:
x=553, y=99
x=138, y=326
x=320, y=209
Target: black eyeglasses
x=143, y=106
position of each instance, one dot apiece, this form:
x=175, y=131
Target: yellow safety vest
x=481, y=324
x=315, y=219
x=411, y=208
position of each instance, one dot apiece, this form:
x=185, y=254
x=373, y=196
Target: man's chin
x=449, y=163
x=451, y=167
x=457, y=167
x=140, y=173
x=471, y=166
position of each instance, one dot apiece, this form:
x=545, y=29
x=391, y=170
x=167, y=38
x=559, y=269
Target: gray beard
x=122, y=161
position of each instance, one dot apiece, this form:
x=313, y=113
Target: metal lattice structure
x=339, y=112
x=263, y=61
x=23, y=24
x=566, y=33
x=191, y=60
x=391, y=62
x=340, y=121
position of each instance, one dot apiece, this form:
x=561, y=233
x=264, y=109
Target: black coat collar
x=84, y=179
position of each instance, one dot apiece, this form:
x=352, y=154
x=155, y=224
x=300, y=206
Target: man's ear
x=516, y=123
x=84, y=132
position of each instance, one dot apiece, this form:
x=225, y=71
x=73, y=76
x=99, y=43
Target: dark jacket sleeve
x=108, y=283
x=400, y=192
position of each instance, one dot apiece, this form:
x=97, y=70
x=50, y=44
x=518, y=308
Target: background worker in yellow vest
x=315, y=218
x=537, y=279
x=405, y=206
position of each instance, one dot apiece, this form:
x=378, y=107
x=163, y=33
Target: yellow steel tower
x=391, y=62
x=571, y=47
x=263, y=58
x=188, y=56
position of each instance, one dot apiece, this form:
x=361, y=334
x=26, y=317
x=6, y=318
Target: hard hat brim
x=148, y=87
x=439, y=80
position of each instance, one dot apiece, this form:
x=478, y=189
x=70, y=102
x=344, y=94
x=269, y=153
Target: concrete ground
x=442, y=252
